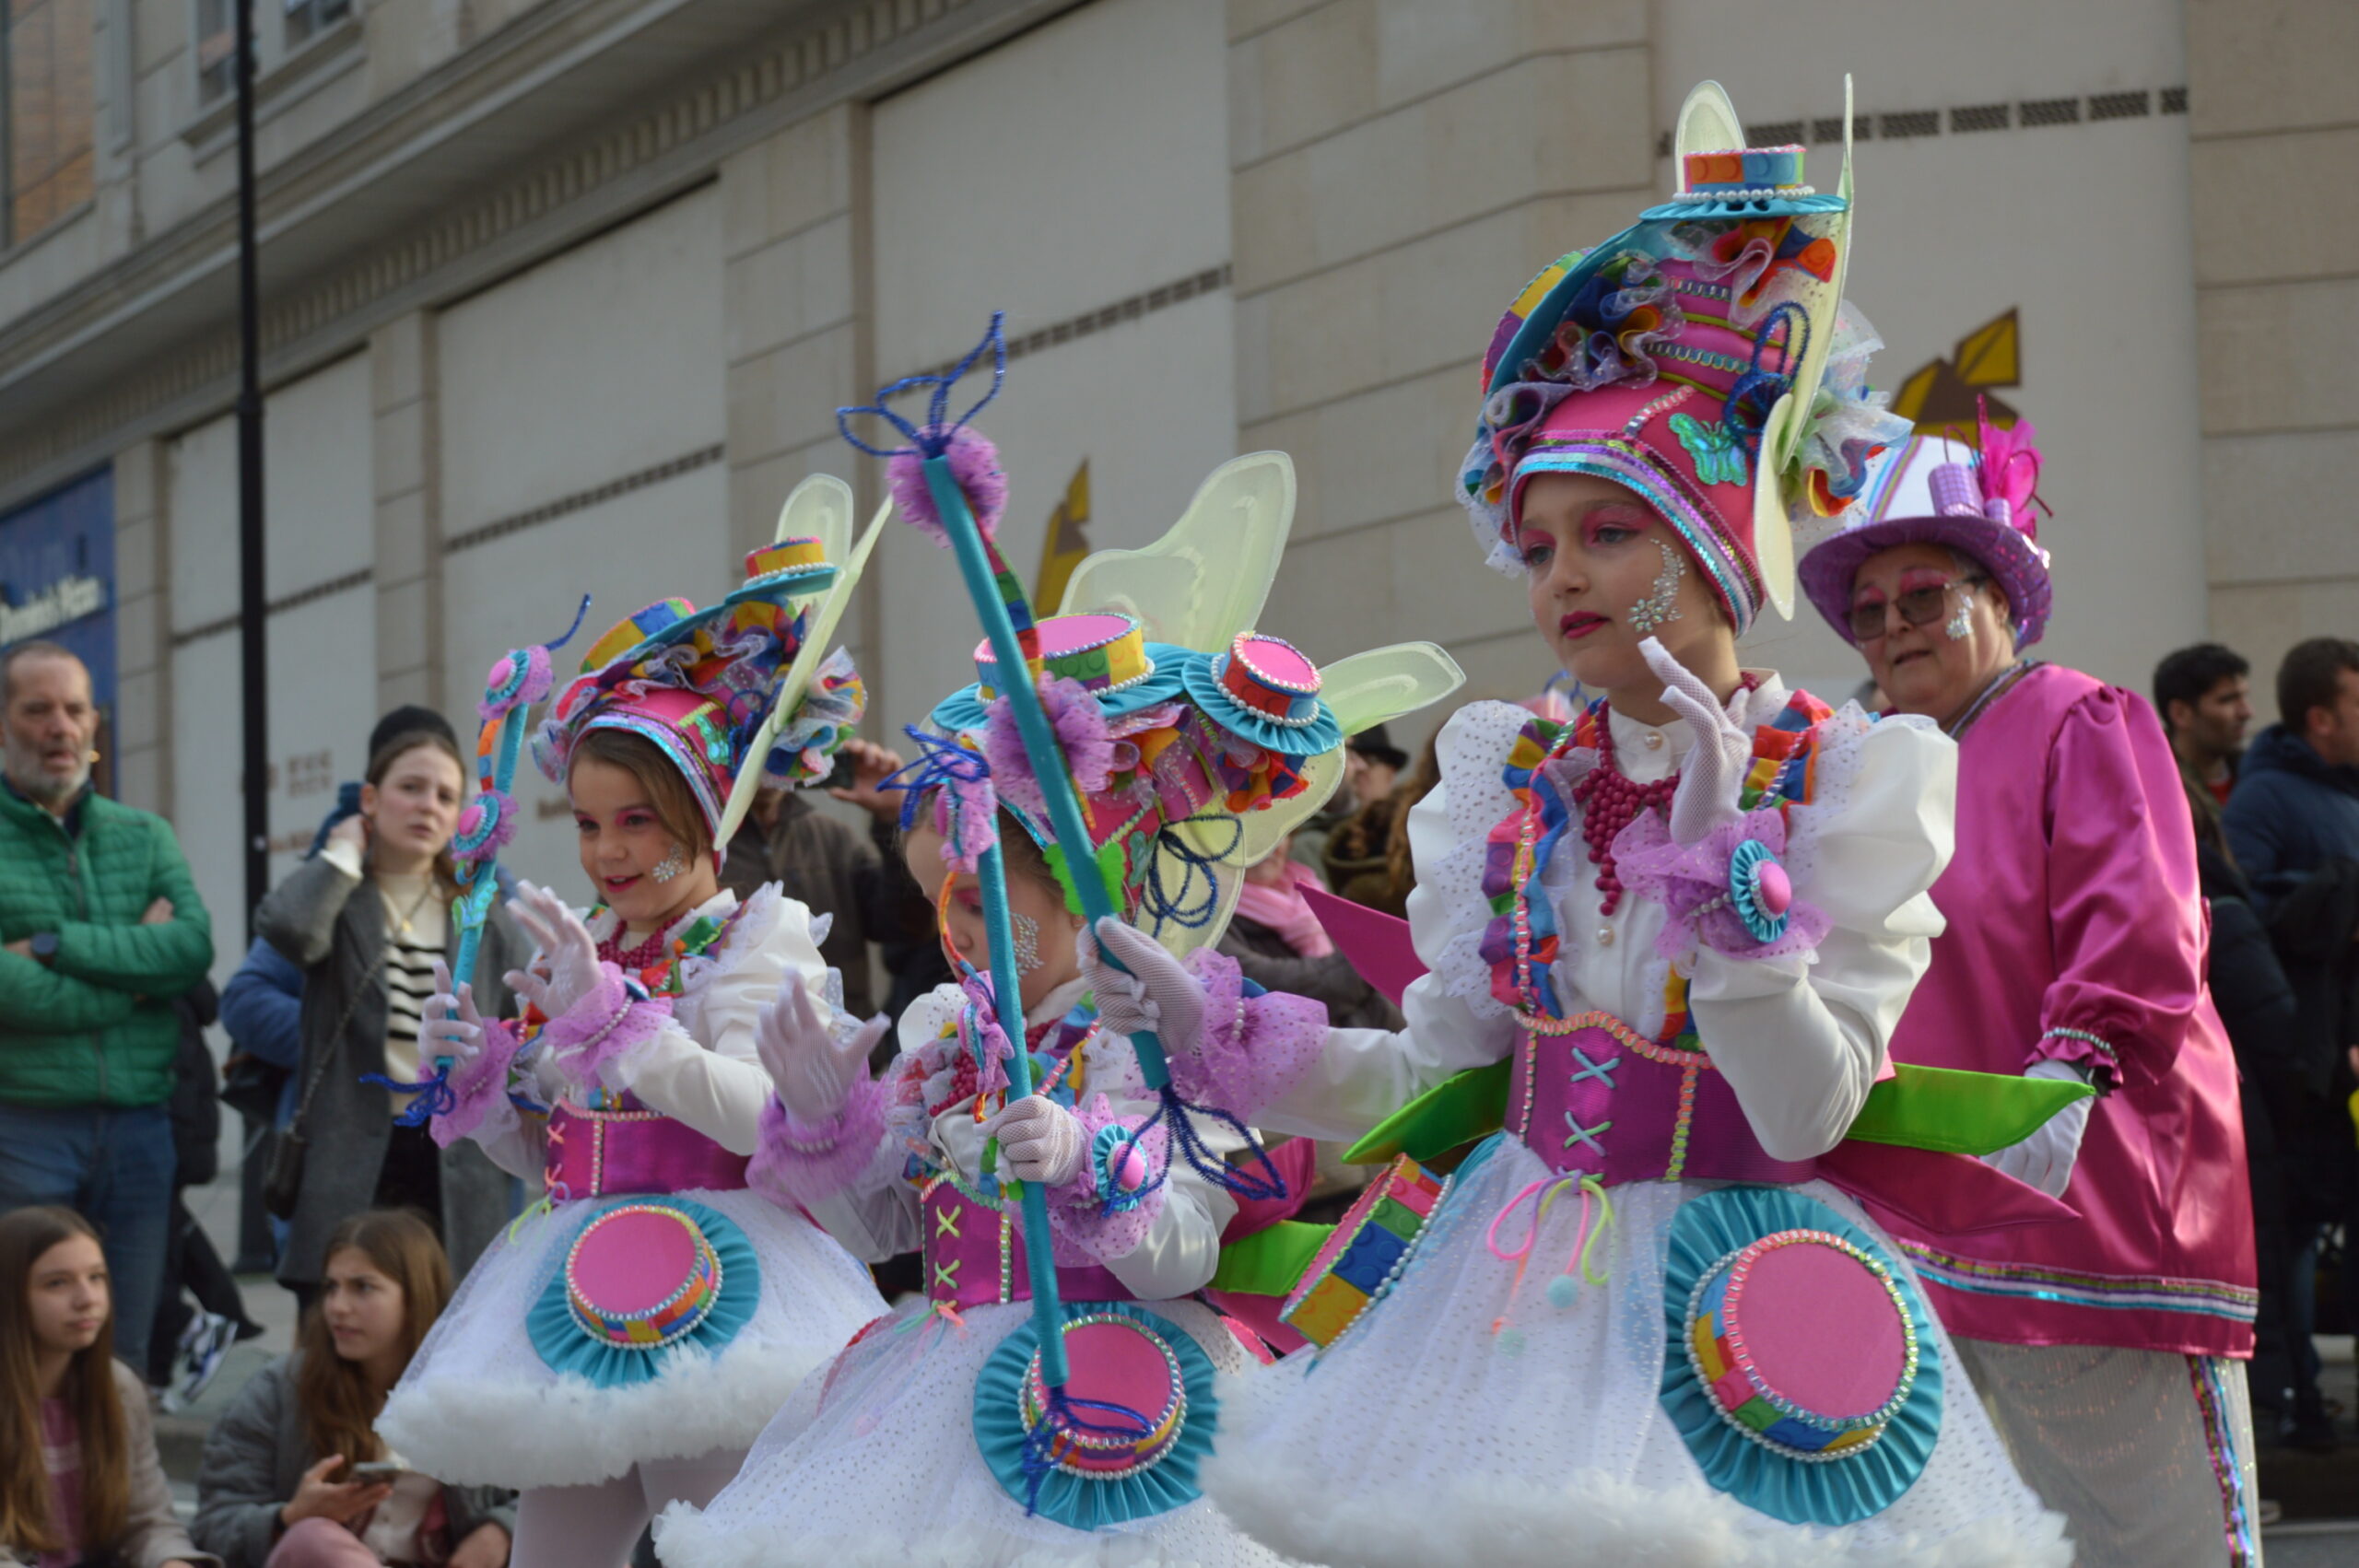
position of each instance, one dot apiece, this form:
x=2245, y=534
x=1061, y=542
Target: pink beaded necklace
x=1610, y=802
x=631, y=960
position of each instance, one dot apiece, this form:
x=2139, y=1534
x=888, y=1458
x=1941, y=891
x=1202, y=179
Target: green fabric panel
x=1271, y=1262
x=1460, y=1109
x=1960, y=1113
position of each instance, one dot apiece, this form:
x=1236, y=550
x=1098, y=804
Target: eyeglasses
x=1917, y=606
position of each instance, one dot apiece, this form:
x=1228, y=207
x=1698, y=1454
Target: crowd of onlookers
x=110, y=1097
x=2277, y=840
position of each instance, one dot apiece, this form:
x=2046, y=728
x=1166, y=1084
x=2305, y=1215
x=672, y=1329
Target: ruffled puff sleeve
x=1256, y=1045
x=2125, y=918
x=1455, y=1022
x=855, y=1175
x=1800, y=1023
x=699, y=1065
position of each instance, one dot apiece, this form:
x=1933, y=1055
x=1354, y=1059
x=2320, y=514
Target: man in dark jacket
x=2293, y=823
x=103, y=928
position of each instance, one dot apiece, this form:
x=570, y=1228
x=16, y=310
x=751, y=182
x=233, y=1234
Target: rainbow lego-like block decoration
x=1366, y=1253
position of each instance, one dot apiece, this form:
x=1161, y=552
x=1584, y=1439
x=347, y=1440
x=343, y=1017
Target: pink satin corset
x=973, y=1251
x=1597, y=1098
x=595, y=1154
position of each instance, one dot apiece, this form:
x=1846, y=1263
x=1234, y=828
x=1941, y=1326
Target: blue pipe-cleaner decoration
x=1757, y=391
x=1184, y=906
x=1177, y=1115
x=479, y=872
x=934, y=439
x=939, y=762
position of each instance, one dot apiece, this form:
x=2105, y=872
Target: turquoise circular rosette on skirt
x=1143, y=1418
x=644, y=1278
x=1801, y=1371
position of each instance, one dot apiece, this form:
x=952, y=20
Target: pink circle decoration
x=1113, y=1361
x=501, y=672
x=642, y=1276
x=1821, y=1330
x=1772, y=888
x=1130, y=1168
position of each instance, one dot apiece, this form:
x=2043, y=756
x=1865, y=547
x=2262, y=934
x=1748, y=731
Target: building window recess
x=51, y=115
x=299, y=22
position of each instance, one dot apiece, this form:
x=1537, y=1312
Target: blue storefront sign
x=57, y=583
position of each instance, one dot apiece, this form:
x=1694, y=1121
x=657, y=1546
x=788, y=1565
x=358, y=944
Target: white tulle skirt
x=1429, y=1436
x=479, y=1407
x=872, y=1463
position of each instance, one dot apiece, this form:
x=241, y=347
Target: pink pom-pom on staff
x=974, y=464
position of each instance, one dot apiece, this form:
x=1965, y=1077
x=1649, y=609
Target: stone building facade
x=561, y=295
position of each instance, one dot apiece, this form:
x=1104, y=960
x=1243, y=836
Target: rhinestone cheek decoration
x=1028, y=941
x=1662, y=604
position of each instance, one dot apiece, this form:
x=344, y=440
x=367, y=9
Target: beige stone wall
x=406, y=472
x=795, y=276
x=143, y=618
x=2273, y=108
x=1401, y=169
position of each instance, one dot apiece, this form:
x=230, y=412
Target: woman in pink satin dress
x=2112, y=1348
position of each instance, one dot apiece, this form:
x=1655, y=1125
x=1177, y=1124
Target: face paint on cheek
x=1662, y=603
x=1961, y=626
x=1028, y=941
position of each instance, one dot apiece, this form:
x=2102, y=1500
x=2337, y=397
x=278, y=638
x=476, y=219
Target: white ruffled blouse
x=1801, y=1039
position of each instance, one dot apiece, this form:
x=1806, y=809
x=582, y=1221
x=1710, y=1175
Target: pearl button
x=1654, y=740
x=1605, y=936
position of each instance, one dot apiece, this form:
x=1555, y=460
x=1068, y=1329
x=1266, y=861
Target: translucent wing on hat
x=1708, y=123
x=817, y=640
x=820, y=508
x=1207, y=578
x=1787, y=425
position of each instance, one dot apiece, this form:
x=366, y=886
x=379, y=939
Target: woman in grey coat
x=366, y=920
x=277, y=1484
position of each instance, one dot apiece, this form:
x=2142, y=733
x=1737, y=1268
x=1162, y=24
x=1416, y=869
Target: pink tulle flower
x=479, y=1088
x=1694, y=882
x=974, y=464
x=795, y=1166
x=1255, y=1049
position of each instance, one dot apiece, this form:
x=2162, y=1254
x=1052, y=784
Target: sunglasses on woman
x=1917, y=606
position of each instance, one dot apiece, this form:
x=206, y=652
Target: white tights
x=596, y=1525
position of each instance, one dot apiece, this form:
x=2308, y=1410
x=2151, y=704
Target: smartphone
x=378, y=1470
x=840, y=776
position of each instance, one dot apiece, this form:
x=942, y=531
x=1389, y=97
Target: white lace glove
x=1714, y=771
x=450, y=1026
x=1157, y=994
x=1040, y=1141
x=811, y=1065
x=2045, y=1160
x=566, y=968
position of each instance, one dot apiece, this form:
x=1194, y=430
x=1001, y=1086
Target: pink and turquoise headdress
x=738, y=695
x=949, y=479
x=1702, y=358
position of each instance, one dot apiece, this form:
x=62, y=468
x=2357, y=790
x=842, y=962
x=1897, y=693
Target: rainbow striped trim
x=2212, y=1398
x=1366, y=1253
x=2114, y=1293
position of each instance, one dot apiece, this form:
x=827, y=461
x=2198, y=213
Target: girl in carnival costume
x=910, y=1448
x=623, y=1344
x=1650, y=1320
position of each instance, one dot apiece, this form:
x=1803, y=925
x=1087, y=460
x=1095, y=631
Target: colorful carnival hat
x=644, y=1280
x=1196, y=743
x=739, y=693
x=1937, y=491
x=1702, y=358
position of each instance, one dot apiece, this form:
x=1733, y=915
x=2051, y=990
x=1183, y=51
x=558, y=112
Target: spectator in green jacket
x=100, y=929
